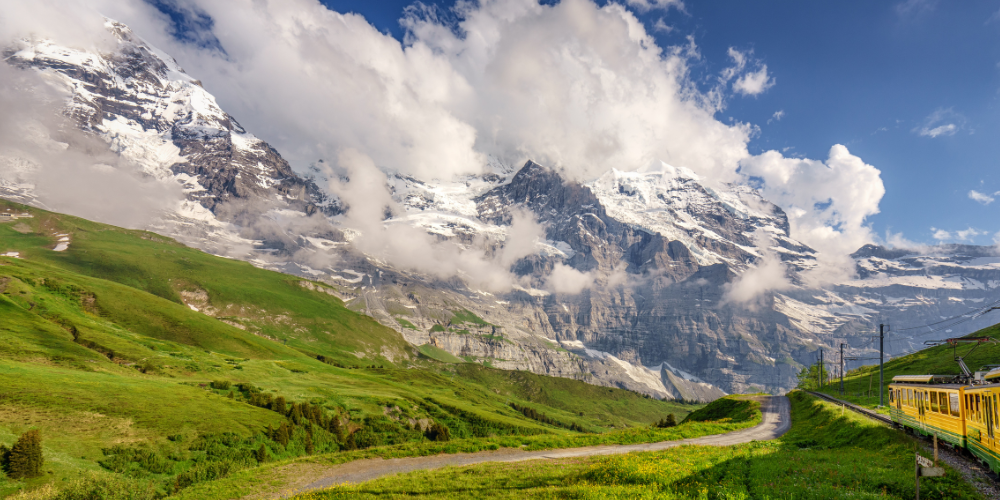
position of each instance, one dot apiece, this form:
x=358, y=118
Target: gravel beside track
x=776, y=412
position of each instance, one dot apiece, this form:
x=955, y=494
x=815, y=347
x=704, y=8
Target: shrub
x=108, y=487
x=437, y=432
x=25, y=458
x=221, y=385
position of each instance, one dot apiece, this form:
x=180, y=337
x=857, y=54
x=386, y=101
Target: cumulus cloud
x=941, y=123
x=754, y=83
x=768, y=275
x=751, y=83
x=982, y=198
x=827, y=203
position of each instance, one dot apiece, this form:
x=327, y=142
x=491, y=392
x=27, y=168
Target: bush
x=221, y=385
x=664, y=423
x=25, y=458
x=108, y=487
x=437, y=432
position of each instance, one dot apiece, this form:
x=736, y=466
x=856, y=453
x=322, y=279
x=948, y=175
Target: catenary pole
x=881, y=362
x=842, y=369
x=819, y=373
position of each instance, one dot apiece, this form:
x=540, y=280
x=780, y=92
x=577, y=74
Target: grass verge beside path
x=825, y=455
x=743, y=414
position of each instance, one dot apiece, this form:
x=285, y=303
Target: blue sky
x=869, y=75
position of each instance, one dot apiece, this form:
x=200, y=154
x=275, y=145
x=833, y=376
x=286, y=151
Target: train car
x=929, y=405
x=982, y=419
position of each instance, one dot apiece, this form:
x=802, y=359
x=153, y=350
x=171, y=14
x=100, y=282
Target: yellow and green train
x=965, y=415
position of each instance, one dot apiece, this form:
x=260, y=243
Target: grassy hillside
x=861, y=384
x=103, y=350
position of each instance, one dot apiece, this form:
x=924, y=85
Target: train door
x=921, y=410
x=989, y=419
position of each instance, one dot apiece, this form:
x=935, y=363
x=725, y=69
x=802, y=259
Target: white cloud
x=568, y=281
x=777, y=116
x=947, y=129
x=67, y=170
x=897, y=240
x=983, y=198
x=967, y=234
x=963, y=235
x=754, y=83
x=661, y=25
x=747, y=83
x=913, y=8
x=768, y=275
x=647, y=5
x=942, y=122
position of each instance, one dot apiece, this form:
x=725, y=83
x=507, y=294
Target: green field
x=101, y=348
x=826, y=455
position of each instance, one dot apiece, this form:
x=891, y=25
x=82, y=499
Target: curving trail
x=776, y=421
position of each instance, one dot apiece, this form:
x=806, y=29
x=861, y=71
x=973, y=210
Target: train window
x=909, y=396
x=976, y=405
x=934, y=401
x=956, y=411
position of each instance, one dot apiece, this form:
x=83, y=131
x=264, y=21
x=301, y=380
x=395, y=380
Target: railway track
x=855, y=408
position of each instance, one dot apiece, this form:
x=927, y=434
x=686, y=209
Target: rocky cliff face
x=661, y=247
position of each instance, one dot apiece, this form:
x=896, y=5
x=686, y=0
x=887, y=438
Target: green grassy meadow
x=102, y=350
x=826, y=455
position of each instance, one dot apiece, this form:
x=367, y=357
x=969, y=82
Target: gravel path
x=776, y=421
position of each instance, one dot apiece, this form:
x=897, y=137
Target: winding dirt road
x=776, y=421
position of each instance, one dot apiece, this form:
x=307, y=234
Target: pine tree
x=283, y=434
x=25, y=458
x=279, y=405
x=438, y=432
x=261, y=454
x=671, y=420
x=336, y=429
x=309, y=444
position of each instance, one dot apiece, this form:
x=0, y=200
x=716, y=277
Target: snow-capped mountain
x=662, y=246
